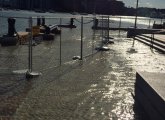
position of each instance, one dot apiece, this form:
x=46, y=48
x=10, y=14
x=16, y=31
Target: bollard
x=10, y=39
x=95, y=23
x=47, y=30
x=43, y=21
x=38, y=21
x=71, y=21
x=11, y=27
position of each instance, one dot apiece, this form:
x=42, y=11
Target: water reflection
x=98, y=89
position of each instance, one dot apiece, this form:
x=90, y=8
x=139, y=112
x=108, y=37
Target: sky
x=145, y=3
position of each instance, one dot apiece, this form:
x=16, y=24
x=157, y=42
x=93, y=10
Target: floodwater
x=98, y=88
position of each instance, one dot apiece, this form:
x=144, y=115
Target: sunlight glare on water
x=97, y=88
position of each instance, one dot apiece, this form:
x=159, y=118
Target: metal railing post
x=137, y=3
x=30, y=45
x=102, y=32
x=108, y=27
x=81, y=38
x=30, y=73
x=152, y=40
x=94, y=32
x=149, y=23
x=60, y=43
x=119, y=25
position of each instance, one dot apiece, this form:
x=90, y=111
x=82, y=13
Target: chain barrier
x=53, y=59
x=84, y=22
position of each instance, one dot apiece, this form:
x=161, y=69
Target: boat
x=83, y=13
x=40, y=11
x=51, y=11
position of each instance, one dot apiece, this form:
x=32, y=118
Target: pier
x=156, y=41
x=149, y=92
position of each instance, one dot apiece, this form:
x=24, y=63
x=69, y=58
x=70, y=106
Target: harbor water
x=99, y=87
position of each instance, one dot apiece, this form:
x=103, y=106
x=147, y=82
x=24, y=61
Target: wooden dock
x=131, y=32
x=146, y=30
x=156, y=41
x=149, y=92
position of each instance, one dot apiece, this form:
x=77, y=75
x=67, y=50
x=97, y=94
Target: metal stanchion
x=119, y=26
x=60, y=44
x=102, y=32
x=161, y=20
x=30, y=45
x=30, y=73
x=81, y=46
x=94, y=32
x=108, y=27
x=152, y=40
x=102, y=47
x=149, y=23
x=81, y=38
x=136, y=13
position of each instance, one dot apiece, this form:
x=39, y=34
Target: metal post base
x=102, y=48
x=108, y=41
x=32, y=74
x=132, y=50
x=76, y=58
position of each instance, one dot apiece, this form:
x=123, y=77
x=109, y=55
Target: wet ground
x=97, y=88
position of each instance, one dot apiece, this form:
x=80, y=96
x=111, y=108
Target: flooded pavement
x=98, y=89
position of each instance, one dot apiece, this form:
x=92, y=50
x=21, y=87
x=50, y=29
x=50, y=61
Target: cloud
x=146, y=3
x=149, y=4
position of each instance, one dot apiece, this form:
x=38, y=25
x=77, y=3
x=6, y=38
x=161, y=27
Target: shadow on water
x=132, y=50
x=13, y=90
x=97, y=89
